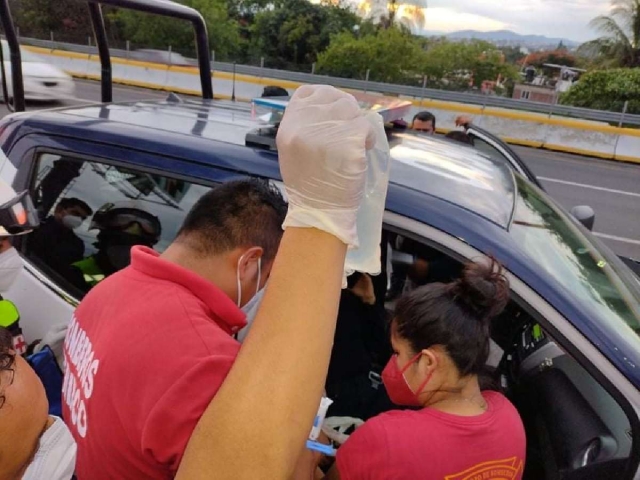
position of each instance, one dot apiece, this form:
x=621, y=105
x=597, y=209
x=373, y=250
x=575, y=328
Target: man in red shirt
x=149, y=346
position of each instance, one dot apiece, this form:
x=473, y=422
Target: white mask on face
x=72, y=221
x=10, y=266
x=250, y=309
x=239, y=302
x=55, y=458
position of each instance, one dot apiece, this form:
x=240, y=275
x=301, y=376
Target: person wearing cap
x=119, y=228
x=55, y=242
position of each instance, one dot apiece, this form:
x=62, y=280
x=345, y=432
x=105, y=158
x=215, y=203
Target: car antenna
x=158, y=7
x=16, y=61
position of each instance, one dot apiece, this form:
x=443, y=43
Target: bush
x=606, y=90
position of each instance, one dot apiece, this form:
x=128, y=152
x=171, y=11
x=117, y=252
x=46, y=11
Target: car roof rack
x=158, y=7
x=391, y=109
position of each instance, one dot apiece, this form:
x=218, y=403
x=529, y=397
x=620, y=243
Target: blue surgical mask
x=250, y=310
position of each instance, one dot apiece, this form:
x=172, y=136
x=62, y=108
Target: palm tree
x=620, y=43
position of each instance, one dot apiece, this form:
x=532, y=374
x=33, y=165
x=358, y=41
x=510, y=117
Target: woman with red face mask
x=440, y=337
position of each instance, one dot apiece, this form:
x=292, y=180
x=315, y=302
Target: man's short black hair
x=459, y=136
x=71, y=202
x=240, y=213
x=425, y=116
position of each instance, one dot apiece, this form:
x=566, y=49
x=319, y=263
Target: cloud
x=553, y=18
x=447, y=20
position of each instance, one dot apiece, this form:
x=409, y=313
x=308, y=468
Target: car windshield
x=26, y=55
x=594, y=276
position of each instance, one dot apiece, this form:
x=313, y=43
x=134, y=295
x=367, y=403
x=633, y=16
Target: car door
x=496, y=148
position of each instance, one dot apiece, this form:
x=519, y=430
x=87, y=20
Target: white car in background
x=42, y=81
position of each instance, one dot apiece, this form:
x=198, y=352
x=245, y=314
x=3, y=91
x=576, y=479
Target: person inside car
x=54, y=242
x=162, y=330
x=440, y=337
x=119, y=229
x=360, y=350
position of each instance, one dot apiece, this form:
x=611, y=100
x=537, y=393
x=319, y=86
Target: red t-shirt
x=146, y=352
x=431, y=445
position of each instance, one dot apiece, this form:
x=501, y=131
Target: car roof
x=455, y=173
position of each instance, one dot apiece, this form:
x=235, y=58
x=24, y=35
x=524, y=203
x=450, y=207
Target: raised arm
x=257, y=424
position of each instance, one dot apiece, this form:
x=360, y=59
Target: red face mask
x=397, y=387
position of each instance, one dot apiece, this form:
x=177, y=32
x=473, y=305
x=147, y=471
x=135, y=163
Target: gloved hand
x=322, y=141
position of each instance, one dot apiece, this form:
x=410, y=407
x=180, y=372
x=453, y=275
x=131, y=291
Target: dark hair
x=65, y=203
x=274, y=91
x=7, y=356
x=237, y=213
x=425, y=116
x=455, y=315
x=459, y=136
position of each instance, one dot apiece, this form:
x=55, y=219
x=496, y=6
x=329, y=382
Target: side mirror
x=585, y=215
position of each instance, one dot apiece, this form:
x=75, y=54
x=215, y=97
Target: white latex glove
x=322, y=141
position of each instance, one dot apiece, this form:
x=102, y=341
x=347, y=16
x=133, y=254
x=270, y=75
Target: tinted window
x=128, y=207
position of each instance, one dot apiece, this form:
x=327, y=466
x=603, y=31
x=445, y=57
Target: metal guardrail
x=617, y=118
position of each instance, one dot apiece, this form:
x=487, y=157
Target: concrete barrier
x=564, y=134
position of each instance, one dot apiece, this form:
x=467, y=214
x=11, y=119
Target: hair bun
x=483, y=288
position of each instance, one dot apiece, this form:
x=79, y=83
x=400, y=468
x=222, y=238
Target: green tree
x=512, y=55
x=291, y=33
x=454, y=65
x=67, y=19
x=391, y=55
x=620, y=44
x=152, y=31
x=606, y=90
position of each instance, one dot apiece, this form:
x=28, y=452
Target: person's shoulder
x=395, y=420
x=501, y=406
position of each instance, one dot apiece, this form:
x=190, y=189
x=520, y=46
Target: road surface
x=611, y=188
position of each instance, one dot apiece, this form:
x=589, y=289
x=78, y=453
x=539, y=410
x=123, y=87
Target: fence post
x=18, y=32
x=366, y=81
x=170, y=51
x=233, y=88
x=89, y=40
x=313, y=68
x=624, y=112
x=261, y=67
x=424, y=87
x=128, y=49
x=213, y=60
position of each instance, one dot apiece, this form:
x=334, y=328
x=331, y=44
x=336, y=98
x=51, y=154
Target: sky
x=552, y=18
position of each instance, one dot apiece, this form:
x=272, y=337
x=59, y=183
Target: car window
x=489, y=149
x=594, y=276
x=92, y=213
